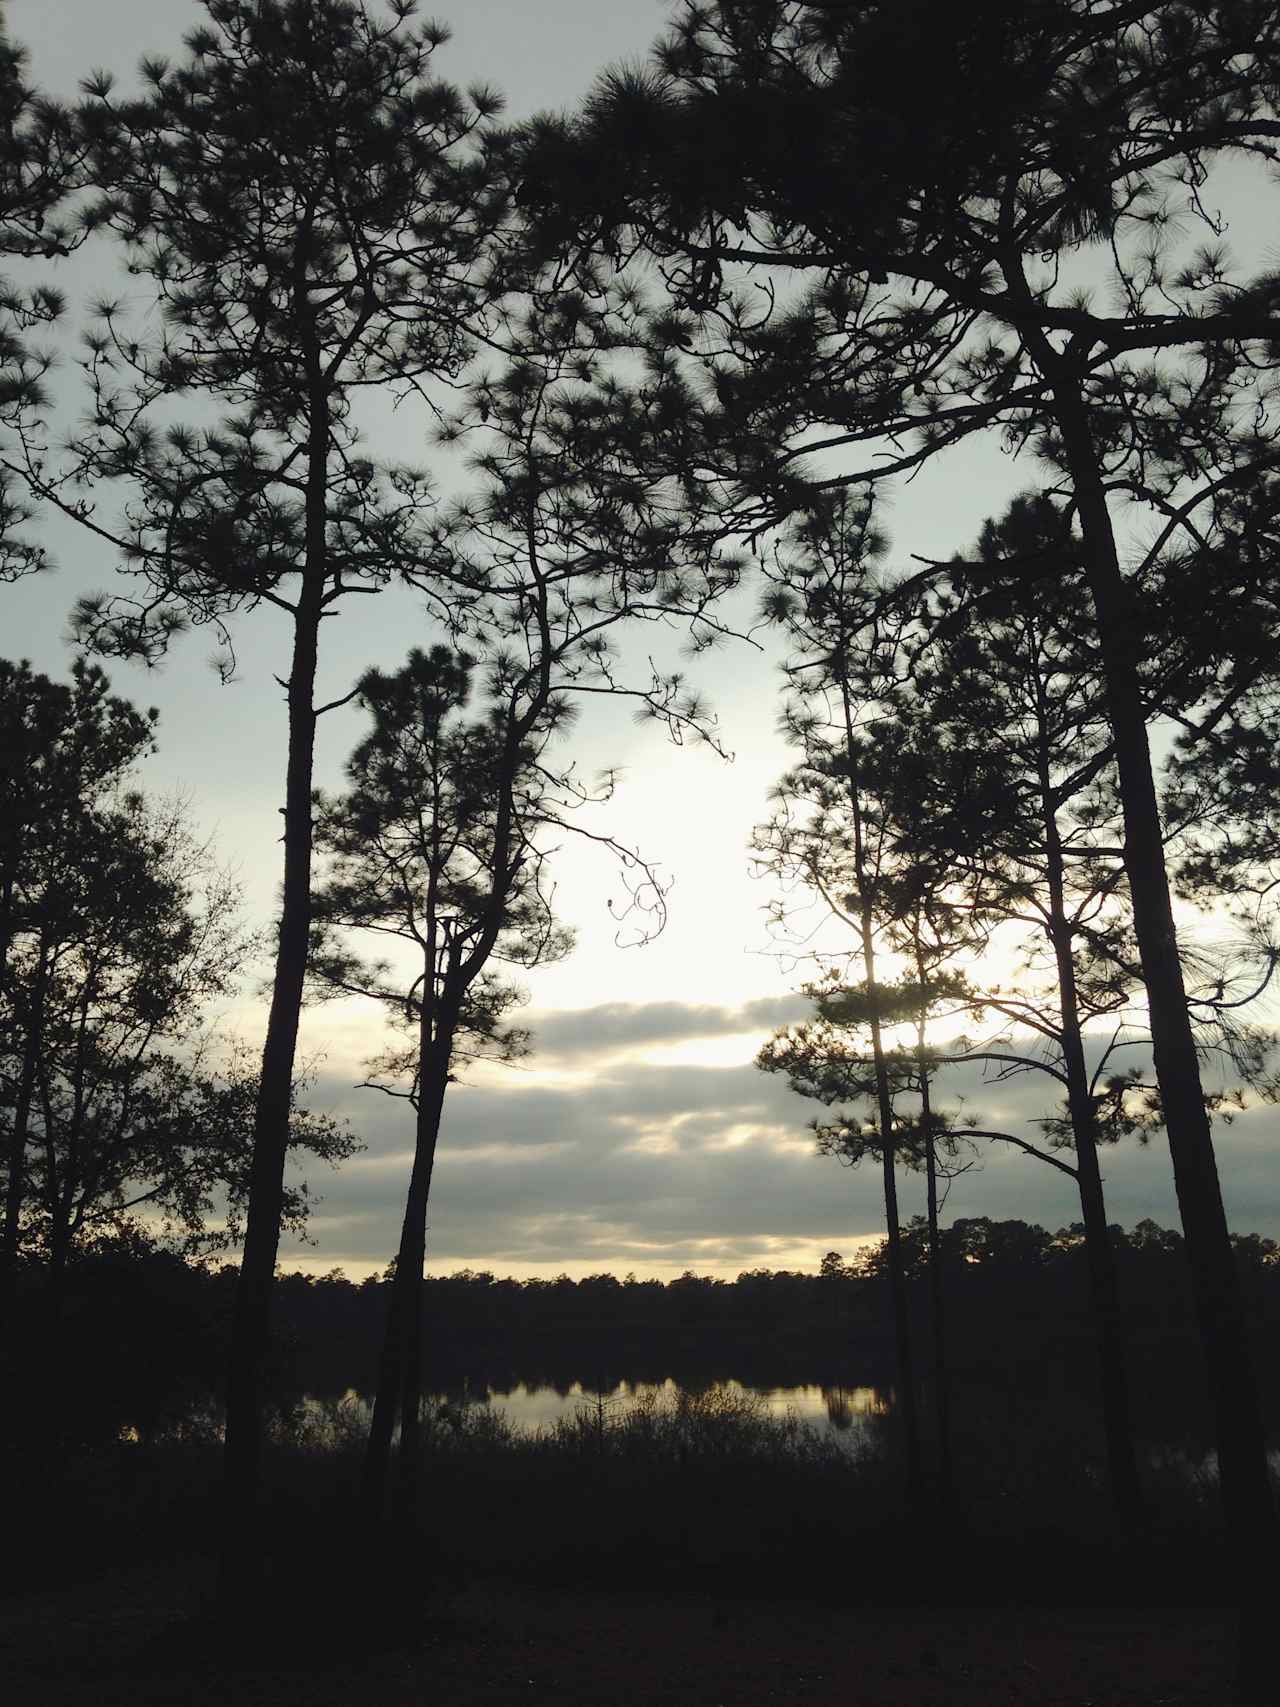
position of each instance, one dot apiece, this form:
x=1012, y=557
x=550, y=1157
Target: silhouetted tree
x=927, y=909
x=1009, y=682
x=312, y=209
x=40, y=158
x=63, y=748
x=116, y=1100
x=570, y=552
x=828, y=1058
x=120, y=958
x=946, y=302
x=834, y=832
x=1223, y=785
x=434, y=844
x=931, y=933
x=115, y=1094
x=1011, y=688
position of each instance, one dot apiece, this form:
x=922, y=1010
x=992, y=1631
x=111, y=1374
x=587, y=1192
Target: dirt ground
x=130, y=1642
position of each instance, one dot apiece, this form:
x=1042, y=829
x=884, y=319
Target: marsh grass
x=703, y=1490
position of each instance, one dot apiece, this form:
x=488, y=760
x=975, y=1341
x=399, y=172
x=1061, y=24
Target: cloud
x=614, y=1027
x=638, y=1165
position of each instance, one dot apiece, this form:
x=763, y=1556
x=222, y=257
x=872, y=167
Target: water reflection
x=528, y=1407
x=328, y=1420
x=847, y=1406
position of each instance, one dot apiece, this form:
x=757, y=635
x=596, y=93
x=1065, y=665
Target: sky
x=638, y=1136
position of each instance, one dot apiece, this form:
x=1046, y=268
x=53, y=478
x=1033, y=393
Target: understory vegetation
x=694, y=1490
x=689, y=1484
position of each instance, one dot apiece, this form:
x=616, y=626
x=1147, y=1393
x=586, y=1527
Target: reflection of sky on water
x=836, y=1409
x=334, y=1419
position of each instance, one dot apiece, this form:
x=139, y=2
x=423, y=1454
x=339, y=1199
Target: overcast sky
x=639, y=1136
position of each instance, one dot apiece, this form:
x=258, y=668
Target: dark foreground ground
x=137, y=1640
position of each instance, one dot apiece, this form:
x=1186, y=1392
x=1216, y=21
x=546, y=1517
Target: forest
x=661, y=366
x=147, y=1331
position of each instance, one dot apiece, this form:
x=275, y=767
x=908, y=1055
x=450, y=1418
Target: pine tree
x=787, y=139
x=314, y=213
x=63, y=749
x=1006, y=678
x=834, y=832
x=40, y=162
x=573, y=554
x=434, y=844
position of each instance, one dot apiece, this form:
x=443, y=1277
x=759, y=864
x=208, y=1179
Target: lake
x=528, y=1408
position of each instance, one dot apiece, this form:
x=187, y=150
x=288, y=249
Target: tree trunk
x=56, y=1279
x=430, y=1108
x=1104, y=1290
x=893, y=1232
x=7, y=931
x=15, y=1192
x=1246, y=1492
x=937, y=1290
x=386, y=1401
x=52, y=1401
x=884, y=1111
x=400, y=1366
x=901, y=1317
x=242, y=1558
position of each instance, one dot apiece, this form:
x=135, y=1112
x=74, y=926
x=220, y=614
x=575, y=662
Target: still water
x=838, y=1410
x=835, y=1408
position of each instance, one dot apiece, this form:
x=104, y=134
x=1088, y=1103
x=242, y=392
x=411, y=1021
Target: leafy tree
x=156, y=1134
x=313, y=210
x=120, y=1114
x=63, y=749
x=116, y=960
x=115, y=1096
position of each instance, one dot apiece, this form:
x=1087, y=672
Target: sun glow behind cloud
x=645, y=1139
x=736, y=1050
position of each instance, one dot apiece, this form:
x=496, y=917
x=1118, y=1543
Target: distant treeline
x=146, y=1332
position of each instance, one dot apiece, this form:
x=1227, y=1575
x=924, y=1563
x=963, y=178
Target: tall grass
x=668, y=1489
